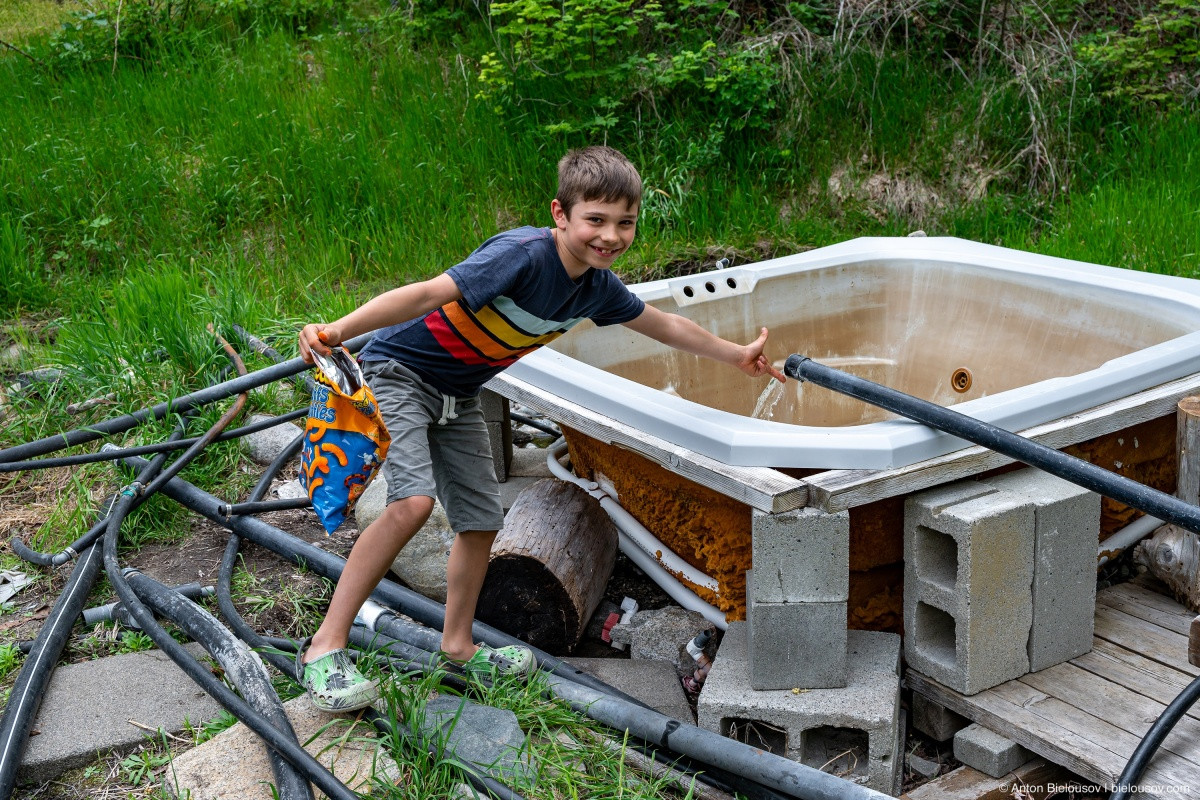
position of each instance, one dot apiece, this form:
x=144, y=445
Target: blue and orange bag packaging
x=345, y=439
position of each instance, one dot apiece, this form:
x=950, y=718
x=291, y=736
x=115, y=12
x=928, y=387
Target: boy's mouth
x=603, y=252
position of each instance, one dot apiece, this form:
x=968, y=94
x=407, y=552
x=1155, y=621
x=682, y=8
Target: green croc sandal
x=492, y=662
x=333, y=682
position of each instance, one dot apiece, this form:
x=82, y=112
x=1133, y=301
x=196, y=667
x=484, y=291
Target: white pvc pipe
x=643, y=548
x=1128, y=536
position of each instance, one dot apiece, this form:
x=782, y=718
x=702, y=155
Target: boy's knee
x=408, y=510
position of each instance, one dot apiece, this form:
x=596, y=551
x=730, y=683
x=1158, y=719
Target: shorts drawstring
x=448, y=412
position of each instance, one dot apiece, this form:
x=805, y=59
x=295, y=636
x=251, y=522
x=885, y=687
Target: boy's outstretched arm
x=390, y=308
x=683, y=334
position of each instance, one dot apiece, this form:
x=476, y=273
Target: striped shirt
x=516, y=297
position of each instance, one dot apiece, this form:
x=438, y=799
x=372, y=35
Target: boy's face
x=594, y=234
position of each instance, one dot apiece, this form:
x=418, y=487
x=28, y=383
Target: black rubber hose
x=759, y=765
x=327, y=565
x=26, y=695
x=533, y=423
x=225, y=576
x=404, y=656
x=259, y=346
x=203, y=397
x=1082, y=473
x=296, y=755
x=413, y=646
x=116, y=611
x=149, y=449
x=242, y=668
x=263, y=506
x=1154, y=737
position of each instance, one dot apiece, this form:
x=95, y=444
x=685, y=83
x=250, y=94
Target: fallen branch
x=16, y=49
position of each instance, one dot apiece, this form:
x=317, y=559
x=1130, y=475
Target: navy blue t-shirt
x=516, y=297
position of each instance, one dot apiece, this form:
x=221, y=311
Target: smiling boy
x=437, y=342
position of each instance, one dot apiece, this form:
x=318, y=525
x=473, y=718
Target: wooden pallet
x=1089, y=713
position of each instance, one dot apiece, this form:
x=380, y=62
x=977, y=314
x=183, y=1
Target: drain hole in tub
x=731, y=283
x=710, y=287
x=687, y=290
x=961, y=380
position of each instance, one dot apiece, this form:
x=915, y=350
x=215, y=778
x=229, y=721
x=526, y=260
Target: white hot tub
x=1037, y=338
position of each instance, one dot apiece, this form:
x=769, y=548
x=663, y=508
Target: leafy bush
x=1156, y=61
x=591, y=65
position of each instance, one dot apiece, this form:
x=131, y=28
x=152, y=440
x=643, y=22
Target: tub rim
x=743, y=441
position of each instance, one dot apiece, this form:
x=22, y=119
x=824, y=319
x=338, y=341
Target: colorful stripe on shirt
x=498, y=334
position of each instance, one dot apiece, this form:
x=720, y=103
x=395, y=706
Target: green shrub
x=588, y=65
x=1156, y=61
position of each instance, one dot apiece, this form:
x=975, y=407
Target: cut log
x=549, y=566
x=1172, y=554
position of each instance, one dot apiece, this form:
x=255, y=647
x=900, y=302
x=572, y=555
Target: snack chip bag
x=345, y=439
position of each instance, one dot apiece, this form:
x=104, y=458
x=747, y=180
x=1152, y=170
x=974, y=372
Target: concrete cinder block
x=935, y=720
x=801, y=556
x=73, y=732
x=1066, y=531
x=988, y=751
x=853, y=730
x=499, y=424
x=968, y=607
x=795, y=645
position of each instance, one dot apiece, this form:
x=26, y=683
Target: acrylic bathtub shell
x=1043, y=338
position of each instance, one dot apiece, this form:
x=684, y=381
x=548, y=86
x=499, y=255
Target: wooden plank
x=1063, y=734
x=1033, y=723
x=759, y=487
x=1194, y=642
x=1136, y=673
x=1122, y=707
x=1033, y=778
x=838, y=490
x=1163, y=612
x=1151, y=640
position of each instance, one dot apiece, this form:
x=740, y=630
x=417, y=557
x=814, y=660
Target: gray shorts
x=433, y=454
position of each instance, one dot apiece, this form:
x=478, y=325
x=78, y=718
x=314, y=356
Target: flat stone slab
x=489, y=738
x=233, y=765
x=653, y=682
x=110, y=704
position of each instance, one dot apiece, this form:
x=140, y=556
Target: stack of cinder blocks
x=999, y=578
x=792, y=679
x=499, y=424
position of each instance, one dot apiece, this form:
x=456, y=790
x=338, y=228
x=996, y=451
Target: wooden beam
x=762, y=488
x=838, y=490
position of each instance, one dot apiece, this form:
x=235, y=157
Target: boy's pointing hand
x=755, y=364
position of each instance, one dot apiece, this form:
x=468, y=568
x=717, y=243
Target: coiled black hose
x=244, y=383
x=242, y=667
x=771, y=770
x=26, y=695
x=148, y=449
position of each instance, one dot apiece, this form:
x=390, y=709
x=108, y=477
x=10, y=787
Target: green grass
x=266, y=179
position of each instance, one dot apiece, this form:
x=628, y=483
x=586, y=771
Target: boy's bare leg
x=465, y=572
x=369, y=561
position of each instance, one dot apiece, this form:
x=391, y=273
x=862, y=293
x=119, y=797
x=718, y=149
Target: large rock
x=489, y=738
x=422, y=562
x=234, y=763
x=662, y=634
x=263, y=446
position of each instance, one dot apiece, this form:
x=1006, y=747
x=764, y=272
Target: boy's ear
x=558, y=213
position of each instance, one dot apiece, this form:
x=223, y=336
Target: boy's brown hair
x=597, y=173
